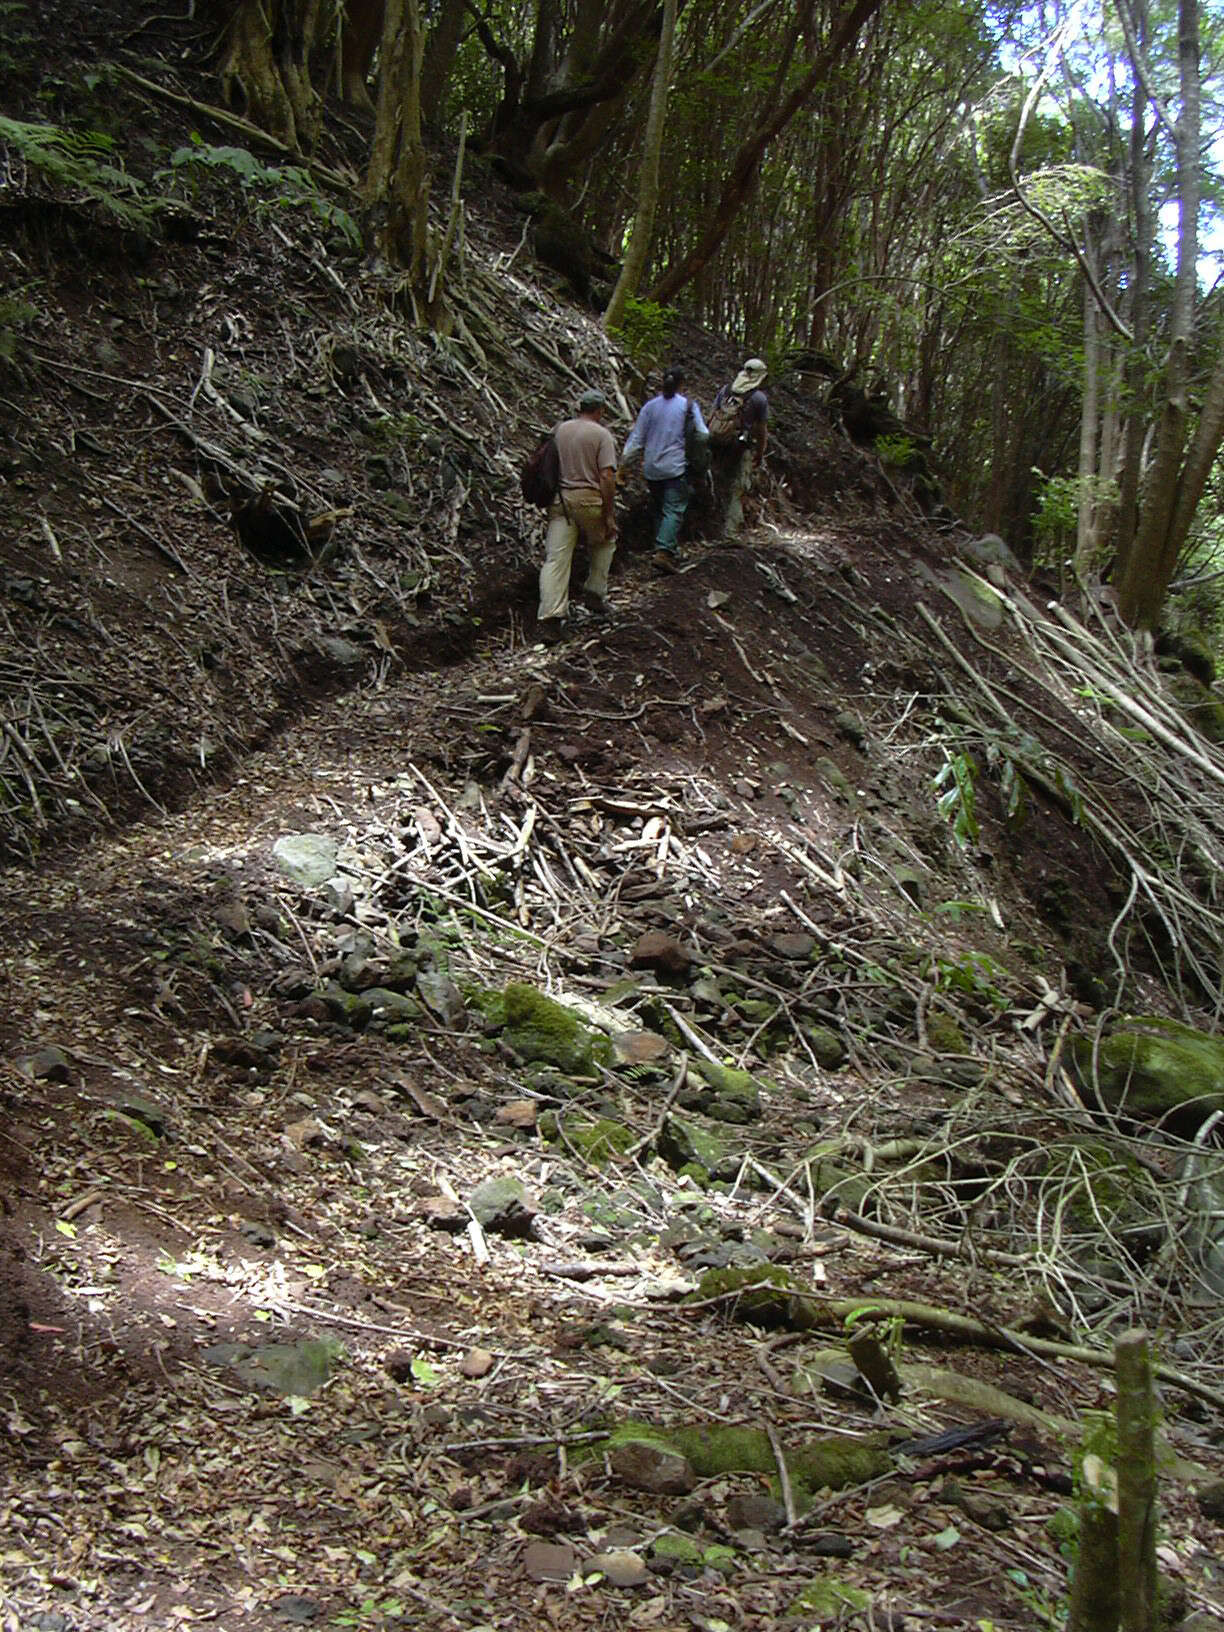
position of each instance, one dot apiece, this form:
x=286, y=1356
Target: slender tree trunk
x=1136, y=1483
x=739, y=183
x=1149, y=567
x=1085, y=534
x=648, y=184
x=440, y=55
x=1141, y=277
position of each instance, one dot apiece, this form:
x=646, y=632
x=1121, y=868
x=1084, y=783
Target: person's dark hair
x=672, y=381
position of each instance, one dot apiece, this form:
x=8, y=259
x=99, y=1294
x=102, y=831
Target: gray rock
x=990, y=551
x=658, y=950
x=643, y=1465
x=280, y=1368
x=309, y=859
x=48, y=1065
x=337, y=896
x=620, y=1568
x=753, y=1512
x=443, y=999
x=502, y=1207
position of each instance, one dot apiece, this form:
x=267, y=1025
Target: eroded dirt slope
x=265, y=576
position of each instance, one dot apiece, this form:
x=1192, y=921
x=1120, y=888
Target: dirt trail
x=244, y=1119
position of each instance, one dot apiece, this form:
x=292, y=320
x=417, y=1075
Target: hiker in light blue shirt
x=659, y=435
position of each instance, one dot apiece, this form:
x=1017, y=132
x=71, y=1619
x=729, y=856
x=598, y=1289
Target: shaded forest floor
x=270, y=1355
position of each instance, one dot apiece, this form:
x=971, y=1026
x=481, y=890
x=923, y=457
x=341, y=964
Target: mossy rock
x=713, y=1450
x=679, y=1548
x=683, y=1141
x=389, y=1008
x=733, y=1095
x=694, y=1170
x=352, y=1009
x=763, y=1296
x=1102, y=1183
x=827, y=1046
x=595, y=1142
x=945, y=1035
x=490, y=1004
x=540, y=1029
x=832, y=1178
x=1155, y=1070
x=830, y=1601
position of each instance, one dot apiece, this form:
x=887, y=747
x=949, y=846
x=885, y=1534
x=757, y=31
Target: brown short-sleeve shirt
x=586, y=448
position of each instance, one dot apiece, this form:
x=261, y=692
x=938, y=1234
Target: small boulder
x=644, y=1465
x=501, y=1206
x=662, y=952
x=309, y=859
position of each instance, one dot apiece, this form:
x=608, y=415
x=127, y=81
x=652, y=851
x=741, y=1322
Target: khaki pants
x=582, y=513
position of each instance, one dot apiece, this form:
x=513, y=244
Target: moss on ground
x=538, y=1028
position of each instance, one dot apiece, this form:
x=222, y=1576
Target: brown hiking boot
x=664, y=561
x=550, y=630
x=596, y=605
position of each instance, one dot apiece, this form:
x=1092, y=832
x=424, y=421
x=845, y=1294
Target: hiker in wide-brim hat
x=739, y=419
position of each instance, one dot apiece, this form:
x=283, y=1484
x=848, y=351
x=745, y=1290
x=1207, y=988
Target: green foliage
x=1054, y=517
x=645, y=331
x=287, y=186
x=15, y=38
x=80, y=162
x=976, y=974
x=897, y=451
x=956, y=785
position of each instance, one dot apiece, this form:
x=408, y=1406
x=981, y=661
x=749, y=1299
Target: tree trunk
x=739, y=184
x=266, y=68
x=396, y=187
x=1094, y=1581
x=1149, y=568
x=360, y=33
x=1136, y=1483
x=440, y=51
x=648, y=185
x=1141, y=279
x=1085, y=533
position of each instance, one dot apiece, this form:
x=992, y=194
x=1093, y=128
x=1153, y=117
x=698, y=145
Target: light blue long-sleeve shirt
x=658, y=434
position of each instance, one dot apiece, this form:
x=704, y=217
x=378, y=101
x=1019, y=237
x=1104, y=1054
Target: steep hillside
x=438, y=1066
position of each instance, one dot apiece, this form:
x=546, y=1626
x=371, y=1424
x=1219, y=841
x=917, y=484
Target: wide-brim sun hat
x=749, y=377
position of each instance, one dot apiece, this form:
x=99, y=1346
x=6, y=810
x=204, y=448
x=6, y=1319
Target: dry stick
x=833, y=1314
x=1136, y=1483
x=788, y=1495
x=702, y=1047
x=235, y=122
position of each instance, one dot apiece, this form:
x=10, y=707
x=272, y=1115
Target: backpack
x=696, y=445
x=726, y=421
x=541, y=478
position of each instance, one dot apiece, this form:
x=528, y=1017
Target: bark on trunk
x=266, y=69
x=1149, y=568
x=741, y=180
x=648, y=185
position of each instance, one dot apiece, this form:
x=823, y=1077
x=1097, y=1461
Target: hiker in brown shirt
x=583, y=507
